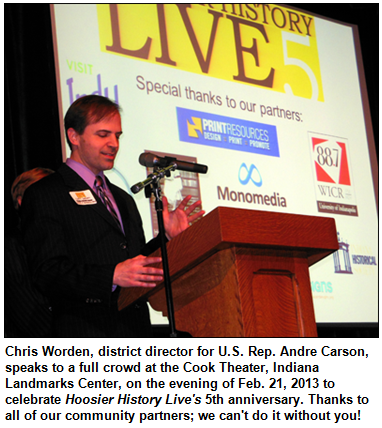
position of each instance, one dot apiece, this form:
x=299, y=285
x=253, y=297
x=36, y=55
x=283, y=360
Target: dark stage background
x=31, y=123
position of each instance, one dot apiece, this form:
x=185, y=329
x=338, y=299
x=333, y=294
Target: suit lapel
x=75, y=183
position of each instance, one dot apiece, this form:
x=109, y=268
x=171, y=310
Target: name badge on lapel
x=83, y=197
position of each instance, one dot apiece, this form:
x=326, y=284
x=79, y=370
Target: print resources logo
x=194, y=127
x=225, y=132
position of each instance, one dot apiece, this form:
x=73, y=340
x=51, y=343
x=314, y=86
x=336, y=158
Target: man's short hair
x=24, y=180
x=86, y=111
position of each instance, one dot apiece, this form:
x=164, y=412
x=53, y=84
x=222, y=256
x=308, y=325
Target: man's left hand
x=178, y=220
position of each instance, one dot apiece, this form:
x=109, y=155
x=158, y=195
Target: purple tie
x=99, y=186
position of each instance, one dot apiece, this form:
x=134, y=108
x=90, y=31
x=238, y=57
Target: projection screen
x=272, y=99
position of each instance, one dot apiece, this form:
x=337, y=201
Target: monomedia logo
x=250, y=174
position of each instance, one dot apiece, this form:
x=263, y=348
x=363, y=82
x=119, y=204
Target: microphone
x=150, y=160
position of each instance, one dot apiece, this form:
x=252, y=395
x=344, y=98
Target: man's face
x=97, y=147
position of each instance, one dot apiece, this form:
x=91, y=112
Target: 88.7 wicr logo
x=331, y=160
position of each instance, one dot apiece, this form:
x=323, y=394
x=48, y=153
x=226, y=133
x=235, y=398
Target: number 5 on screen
x=302, y=40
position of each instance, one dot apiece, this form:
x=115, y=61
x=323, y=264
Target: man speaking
x=84, y=237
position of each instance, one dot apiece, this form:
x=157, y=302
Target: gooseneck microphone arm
x=168, y=164
x=153, y=178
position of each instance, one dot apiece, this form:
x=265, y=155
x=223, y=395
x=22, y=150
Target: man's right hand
x=136, y=272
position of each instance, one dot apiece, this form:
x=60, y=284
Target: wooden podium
x=243, y=273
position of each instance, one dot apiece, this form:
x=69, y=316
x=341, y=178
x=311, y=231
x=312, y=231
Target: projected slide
x=268, y=97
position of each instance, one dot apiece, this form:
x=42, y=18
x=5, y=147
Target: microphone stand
x=152, y=186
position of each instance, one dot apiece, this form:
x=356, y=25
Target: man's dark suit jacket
x=73, y=250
